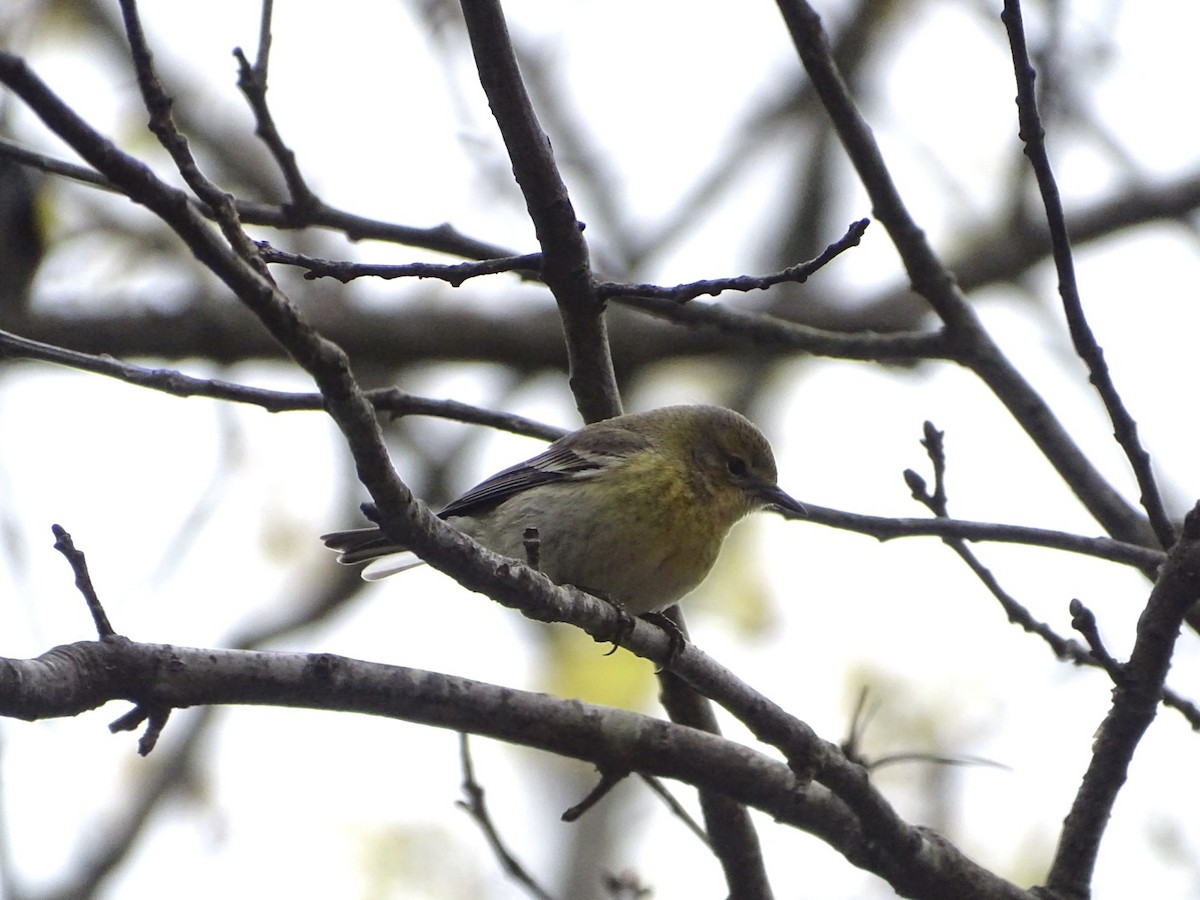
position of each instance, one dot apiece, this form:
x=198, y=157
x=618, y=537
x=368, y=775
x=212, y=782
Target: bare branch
x=74, y=678
x=565, y=266
x=83, y=580
x=1083, y=620
x=1086, y=345
x=767, y=331
x=972, y=346
x=454, y=275
x=252, y=81
x=476, y=807
x=442, y=238
x=682, y=293
x=1018, y=614
x=169, y=381
x=731, y=834
x=1135, y=702
x=659, y=790
x=158, y=104
x=885, y=529
x=53, y=166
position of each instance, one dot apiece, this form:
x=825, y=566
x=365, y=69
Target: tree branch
x=169, y=381
x=442, y=238
x=1086, y=345
x=797, y=274
x=74, y=678
x=565, y=266
x=1135, y=702
x=886, y=529
x=971, y=345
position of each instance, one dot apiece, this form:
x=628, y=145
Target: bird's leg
x=675, y=635
x=624, y=623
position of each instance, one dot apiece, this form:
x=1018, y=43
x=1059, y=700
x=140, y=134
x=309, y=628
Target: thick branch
x=1135, y=702
x=78, y=677
x=731, y=832
x=565, y=266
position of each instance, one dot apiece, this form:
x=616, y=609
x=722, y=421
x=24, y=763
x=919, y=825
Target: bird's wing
x=575, y=456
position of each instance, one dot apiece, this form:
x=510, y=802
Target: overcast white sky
x=300, y=803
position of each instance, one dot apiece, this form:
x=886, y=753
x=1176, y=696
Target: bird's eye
x=737, y=466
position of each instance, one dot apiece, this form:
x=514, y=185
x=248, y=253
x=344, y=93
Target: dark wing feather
x=569, y=458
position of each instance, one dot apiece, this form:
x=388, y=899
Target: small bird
x=633, y=509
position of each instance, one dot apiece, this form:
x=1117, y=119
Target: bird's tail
x=361, y=545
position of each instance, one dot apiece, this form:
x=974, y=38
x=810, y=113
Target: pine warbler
x=633, y=509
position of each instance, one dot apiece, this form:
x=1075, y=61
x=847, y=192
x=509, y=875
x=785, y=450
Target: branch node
x=154, y=715
x=64, y=545
x=1083, y=620
x=609, y=779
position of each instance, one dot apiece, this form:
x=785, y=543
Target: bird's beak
x=774, y=498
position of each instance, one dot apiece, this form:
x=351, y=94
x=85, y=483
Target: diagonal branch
x=566, y=270
x=565, y=266
x=441, y=238
x=1135, y=702
x=476, y=807
x=1086, y=345
x=972, y=346
x=731, y=833
x=169, y=381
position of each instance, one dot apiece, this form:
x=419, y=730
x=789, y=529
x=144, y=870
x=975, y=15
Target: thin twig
x=177, y=384
x=158, y=104
x=1135, y=702
x=682, y=293
x=83, y=580
x=1063, y=648
x=262, y=58
x=155, y=715
x=476, y=807
x=441, y=238
x=762, y=330
x=936, y=502
x=1034, y=136
x=1083, y=620
x=609, y=779
x=939, y=759
x=453, y=275
x=252, y=81
x=676, y=808
x=886, y=529
x=52, y=166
